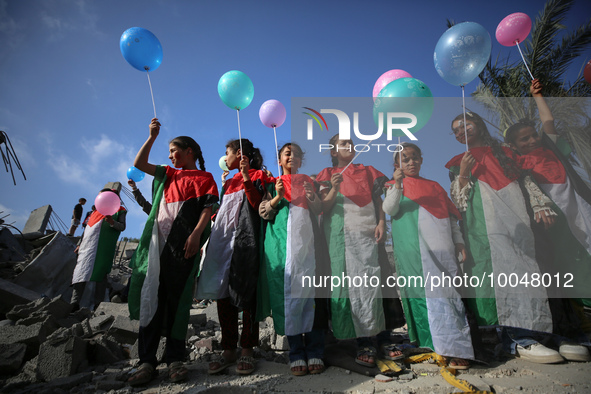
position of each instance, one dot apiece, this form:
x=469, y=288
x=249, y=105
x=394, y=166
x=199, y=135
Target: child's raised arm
x=545, y=114
x=141, y=159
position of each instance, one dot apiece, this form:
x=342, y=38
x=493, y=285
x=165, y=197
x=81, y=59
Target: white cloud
x=83, y=18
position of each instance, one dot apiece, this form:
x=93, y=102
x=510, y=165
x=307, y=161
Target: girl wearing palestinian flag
x=96, y=252
x=231, y=264
x=546, y=157
x=426, y=240
x=290, y=209
x=166, y=261
x=496, y=199
x=354, y=226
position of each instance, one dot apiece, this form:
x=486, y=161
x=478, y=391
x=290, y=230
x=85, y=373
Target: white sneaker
x=538, y=353
x=574, y=352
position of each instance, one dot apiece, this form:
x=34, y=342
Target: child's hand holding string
x=398, y=177
x=279, y=188
x=154, y=128
x=244, y=167
x=335, y=181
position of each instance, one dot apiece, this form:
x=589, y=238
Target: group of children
x=269, y=233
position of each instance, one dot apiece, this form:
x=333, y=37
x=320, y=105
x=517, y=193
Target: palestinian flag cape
x=231, y=263
x=423, y=247
x=97, y=249
x=356, y=311
x=288, y=256
x=498, y=233
x=571, y=234
x=160, y=269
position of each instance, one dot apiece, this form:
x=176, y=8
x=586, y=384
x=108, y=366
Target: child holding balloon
x=495, y=197
x=290, y=209
x=166, y=261
x=351, y=200
x=231, y=264
x=426, y=239
x=96, y=252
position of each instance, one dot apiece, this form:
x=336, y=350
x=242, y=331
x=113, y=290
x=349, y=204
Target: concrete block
x=101, y=322
x=32, y=336
x=103, y=349
x=281, y=343
x=112, y=308
x=197, y=317
x=10, y=247
x=125, y=330
x=205, y=343
x=12, y=294
x=61, y=358
x=12, y=357
x=50, y=272
x=26, y=310
x=37, y=222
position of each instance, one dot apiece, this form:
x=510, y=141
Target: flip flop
x=223, y=364
x=144, y=374
x=298, y=363
x=369, y=351
x=177, y=372
x=456, y=360
x=315, y=361
x=386, y=348
x=248, y=360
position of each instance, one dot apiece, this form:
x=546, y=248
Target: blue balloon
x=236, y=89
x=135, y=175
x=462, y=53
x=141, y=49
x=404, y=95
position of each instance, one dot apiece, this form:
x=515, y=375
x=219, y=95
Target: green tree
x=505, y=84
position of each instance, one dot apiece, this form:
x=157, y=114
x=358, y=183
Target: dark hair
x=296, y=151
x=511, y=133
x=81, y=199
x=248, y=150
x=333, y=142
x=407, y=145
x=106, y=189
x=185, y=142
x=510, y=167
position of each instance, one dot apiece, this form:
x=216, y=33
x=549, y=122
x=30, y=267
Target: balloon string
x=277, y=152
x=400, y=154
x=239, y=133
x=351, y=162
x=151, y=93
x=522, y=58
x=464, y=111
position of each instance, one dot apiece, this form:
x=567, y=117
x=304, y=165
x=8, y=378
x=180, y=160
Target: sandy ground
x=513, y=375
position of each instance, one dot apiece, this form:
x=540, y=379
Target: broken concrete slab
x=12, y=294
x=57, y=308
x=10, y=247
x=12, y=357
x=32, y=336
x=61, y=358
x=112, y=308
x=37, y=222
x=124, y=329
x=103, y=349
x=50, y=272
x=101, y=322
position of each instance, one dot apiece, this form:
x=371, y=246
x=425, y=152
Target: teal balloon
x=462, y=53
x=408, y=95
x=236, y=89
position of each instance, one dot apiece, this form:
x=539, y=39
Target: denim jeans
x=306, y=346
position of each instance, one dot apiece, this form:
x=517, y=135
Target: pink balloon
x=386, y=78
x=272, y=113
x=513, y=29
x=107, y=203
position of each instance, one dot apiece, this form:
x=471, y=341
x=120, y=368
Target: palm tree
x=505, y=85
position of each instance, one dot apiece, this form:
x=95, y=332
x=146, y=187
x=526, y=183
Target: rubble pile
x=46, y=347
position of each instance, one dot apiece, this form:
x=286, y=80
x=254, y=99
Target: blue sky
x=77, y=112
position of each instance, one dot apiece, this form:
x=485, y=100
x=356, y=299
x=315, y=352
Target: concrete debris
x=37, y=222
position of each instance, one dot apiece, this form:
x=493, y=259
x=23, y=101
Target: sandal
x=457, y=361
x=177, y=372
x=222, y=365
x=142, y=375
x=296, y=364
x=314, y=362
x=369, y=351
x=248, y=360
x=388, y=348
